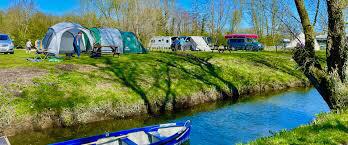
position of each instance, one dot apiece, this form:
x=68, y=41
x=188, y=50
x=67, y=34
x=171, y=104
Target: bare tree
x=331, y=83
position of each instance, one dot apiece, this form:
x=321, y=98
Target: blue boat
x=163, y=134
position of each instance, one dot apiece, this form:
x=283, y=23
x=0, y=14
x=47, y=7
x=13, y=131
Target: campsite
x=190, y=72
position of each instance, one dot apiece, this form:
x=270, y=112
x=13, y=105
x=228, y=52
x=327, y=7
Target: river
x=220, y=123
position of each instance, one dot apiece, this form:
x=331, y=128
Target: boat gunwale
x=147, y=129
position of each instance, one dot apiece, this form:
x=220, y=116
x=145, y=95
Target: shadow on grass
x=128, y=74
x=162, y=72
x=170, y=96
x=206, y=73
x=272, y=64
x=157, y=75
x=335, y=125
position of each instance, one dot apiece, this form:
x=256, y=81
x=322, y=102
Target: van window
x=240, y=40
x=4, y=37
x=236, y=40
x=232, y=40
x=167, y=41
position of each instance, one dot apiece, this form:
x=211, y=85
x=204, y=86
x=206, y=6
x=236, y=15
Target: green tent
x=131, y=44
x=127, y=41
x=96, y=34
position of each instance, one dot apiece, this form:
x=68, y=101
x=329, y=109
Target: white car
x=6, y=44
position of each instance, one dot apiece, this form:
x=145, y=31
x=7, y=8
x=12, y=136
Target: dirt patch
x=74, y=67
x=13, y=79
x=86, y=68
x=21, y=76
x=66, y=67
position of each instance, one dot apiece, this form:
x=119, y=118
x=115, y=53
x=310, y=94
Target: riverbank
x=45, y=94
x=328, y=128
x=244, y=121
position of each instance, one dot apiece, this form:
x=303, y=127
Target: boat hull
x=181, y=136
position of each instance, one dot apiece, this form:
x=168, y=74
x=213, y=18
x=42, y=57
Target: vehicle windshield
x=252, y=40
x=3, y=37
x=236, y=40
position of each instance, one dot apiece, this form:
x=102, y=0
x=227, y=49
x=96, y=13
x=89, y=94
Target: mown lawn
x=327, y=129
x=156, y=79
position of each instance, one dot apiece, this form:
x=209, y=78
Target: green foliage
x=38, y=26
x=271, y=40
x=220, y=39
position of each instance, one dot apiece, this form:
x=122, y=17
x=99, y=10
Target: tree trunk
x=336, y=52
x=324, y=81
x=307, y=29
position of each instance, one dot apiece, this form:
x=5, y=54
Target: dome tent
x=131, y=43
x=59, y=38
x=300, y=40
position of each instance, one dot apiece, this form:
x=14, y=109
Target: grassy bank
x=46, y=94
x=326, y=129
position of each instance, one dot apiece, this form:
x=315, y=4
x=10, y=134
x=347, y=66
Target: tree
x=236, y=19
x=331, y=83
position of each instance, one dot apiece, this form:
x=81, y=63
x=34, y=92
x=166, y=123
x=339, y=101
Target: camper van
x=244, y=42
x=161, y=42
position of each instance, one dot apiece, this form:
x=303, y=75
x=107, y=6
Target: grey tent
x=59, y=38
x=107, y=38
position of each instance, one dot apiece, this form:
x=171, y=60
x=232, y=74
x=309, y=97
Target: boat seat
x=142, y=138
x=127, y=141
x=169, y=131
x=157, y=135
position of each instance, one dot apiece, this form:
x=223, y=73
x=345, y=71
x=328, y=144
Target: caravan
x=161, y=42
x=194, y=43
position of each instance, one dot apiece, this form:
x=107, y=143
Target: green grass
x=153, y=79
x=327, y=129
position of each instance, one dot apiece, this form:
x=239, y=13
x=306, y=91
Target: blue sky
x=59, y=7
x=54, y=7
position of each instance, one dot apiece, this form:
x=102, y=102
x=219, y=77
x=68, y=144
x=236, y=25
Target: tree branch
x=316, y=13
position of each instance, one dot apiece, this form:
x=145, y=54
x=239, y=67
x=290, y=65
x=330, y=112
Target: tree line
x=272, y=20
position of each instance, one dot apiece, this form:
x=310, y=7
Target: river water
x=220, y=123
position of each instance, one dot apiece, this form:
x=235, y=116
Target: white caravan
x=159, y=42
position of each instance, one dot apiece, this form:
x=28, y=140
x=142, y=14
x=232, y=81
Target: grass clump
x=330, y=128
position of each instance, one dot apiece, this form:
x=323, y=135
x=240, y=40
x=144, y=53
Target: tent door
x=66, y=43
